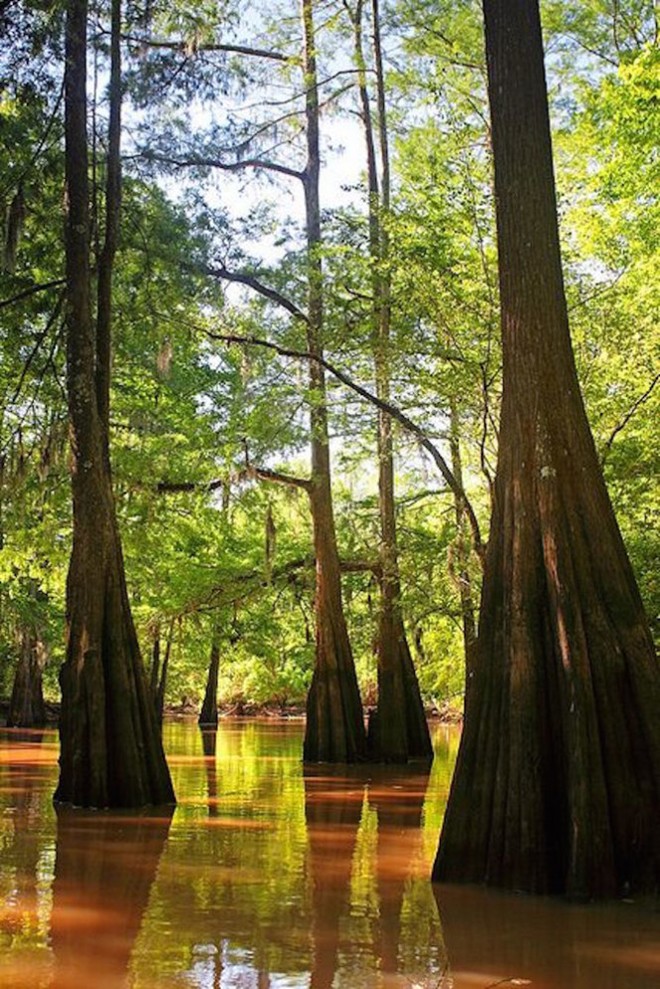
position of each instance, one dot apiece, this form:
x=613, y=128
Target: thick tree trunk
x=26, y=707
x=208, y=716
x=557, y=785
x=111, y=753
x=334, y=729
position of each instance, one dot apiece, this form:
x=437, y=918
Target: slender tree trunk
x=159, y=669
x=209, y=714
x=111, y=752
x=26, y=707
x=334, y=729
x=161, y=686
x=462, y=555
x=154, y=669
x=112, y=220
x=557, y=785
x=398, y=728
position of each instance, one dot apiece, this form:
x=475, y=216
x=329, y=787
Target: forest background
x=208, y=437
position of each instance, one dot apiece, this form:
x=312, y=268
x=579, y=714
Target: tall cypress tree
x=111, y=751
x=557, y=785
x=334, y=730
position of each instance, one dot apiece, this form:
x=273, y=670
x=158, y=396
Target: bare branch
x=628, y=416
x=250, y=471
x=37, y=346
x=392, y=410
x=174, y=487
x=32, y=290
x=42, y=142
x=221, y=595
x=263, y=474
x=600, y=290
x=187, y=48
x=243, y=278
x=198, y=161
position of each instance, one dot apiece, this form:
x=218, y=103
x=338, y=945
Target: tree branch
x=392, y=410
x=264, y=474
x=243, y=278
x=221, y=594
x=174, y=487
x=189, y=48
x=42, y=141
x=628, y=416
x=37, y=346
x=235, y=166
x=250, y=471
x=32, y=290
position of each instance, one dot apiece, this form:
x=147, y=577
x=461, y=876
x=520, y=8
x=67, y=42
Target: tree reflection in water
x=398, y=799
x=274, y=878
x=21, y=843
x=333, y=808
x=500, y=938
x=105, y=865
x=374, y=919
x=209, y=746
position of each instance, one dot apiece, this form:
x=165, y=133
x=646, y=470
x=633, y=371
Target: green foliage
x=610, y=176
x=191, y=411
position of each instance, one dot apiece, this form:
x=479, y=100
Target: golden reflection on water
x=271, y=877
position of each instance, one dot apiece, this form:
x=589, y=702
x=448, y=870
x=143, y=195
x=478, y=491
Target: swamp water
x=268, y=876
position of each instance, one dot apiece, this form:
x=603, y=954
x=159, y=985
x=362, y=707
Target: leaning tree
x=557, y=784
x=111, y=751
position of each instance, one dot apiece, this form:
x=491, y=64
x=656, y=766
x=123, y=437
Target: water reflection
x=105, y=866
x=398, y=801
x=498, y=938
x=209, y=746
x=271, y=877
x=333, y=809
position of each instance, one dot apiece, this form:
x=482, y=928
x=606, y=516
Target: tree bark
x=461, y=568
x=26, y=707
x=159, y=669
x=334, y=730
x=111, y=752
x=557, y=785
x=208, y=716
x=397, y=729
x=112, y=220
x=154, y=668
x=161, y=684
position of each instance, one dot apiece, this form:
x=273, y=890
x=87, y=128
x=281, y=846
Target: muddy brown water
x=268, y=876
